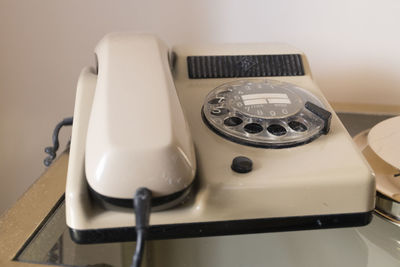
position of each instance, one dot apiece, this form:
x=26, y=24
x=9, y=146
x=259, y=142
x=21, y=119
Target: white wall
x=352, y=47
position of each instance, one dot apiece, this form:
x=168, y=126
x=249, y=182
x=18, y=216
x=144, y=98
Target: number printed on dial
x=265, y=99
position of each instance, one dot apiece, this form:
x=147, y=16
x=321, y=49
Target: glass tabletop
x=377, y=244
x=52, y=244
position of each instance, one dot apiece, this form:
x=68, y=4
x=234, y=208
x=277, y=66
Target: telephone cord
x=142, y=207
x=52, y=150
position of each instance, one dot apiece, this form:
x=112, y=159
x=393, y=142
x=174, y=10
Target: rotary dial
x=266, y=113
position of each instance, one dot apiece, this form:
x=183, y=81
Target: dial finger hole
x=233, y=121
x=297, y=126
x=253, y=128
x=276, y=129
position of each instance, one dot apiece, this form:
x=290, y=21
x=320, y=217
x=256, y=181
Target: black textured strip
x=204, y=67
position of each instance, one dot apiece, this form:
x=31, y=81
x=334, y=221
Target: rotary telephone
x=230, y=139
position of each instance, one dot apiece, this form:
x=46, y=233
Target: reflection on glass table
x=53, y=245
x=377, y=244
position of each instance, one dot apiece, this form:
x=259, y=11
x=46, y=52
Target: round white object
x=384, y=140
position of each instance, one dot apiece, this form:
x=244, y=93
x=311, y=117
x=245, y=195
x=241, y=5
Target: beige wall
x=352, y=46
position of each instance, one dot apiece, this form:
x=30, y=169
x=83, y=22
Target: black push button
x=242, y=164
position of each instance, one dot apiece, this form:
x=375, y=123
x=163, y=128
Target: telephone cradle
x=230, y=138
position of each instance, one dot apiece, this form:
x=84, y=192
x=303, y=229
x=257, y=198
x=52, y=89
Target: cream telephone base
x=231, y=139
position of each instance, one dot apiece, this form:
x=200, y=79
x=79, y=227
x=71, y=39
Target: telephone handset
x=270, y=154
x=137, y=134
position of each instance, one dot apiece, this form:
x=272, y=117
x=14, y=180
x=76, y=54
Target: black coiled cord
x=52, y=150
